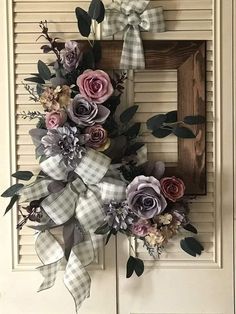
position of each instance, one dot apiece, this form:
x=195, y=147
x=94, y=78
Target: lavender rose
x=95, y=86
x=145, y=198
x=55, y=119
x=71, y=55
x=97, y=136
x=85, y=113
x=173, y=188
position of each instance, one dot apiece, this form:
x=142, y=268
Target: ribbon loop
x=131, y=16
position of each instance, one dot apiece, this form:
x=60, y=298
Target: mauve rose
x=71, y=55
x=95, y=86
x=85, y=113
x=141, y=227
x=55, y=119
x=173, y=188
x=145, y=198
x=97, y=136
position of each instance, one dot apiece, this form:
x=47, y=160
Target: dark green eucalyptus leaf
x=109, y=236
x=23, y=175
x=97, y=10
x=84, y=21
x=160, y=133
x=88, y=60
x=182, y=132
x=44, y=70
x=133, y=131
x=39, y=89
x=12, y=202
x=138, y=267
x=192, y=120
x=156, y=122
x=171, y=116
x=35, y=79
x=184, y=246
x=128, y=114
x=11, y=191
x=130, y=267
x=194, y=245
x=132, y=149
x=190, y=228
x=105, y=228
x=97, y=51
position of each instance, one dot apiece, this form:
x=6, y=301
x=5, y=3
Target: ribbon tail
x=51, y=254
x=49, y=272
x=132, y=56
x=77, y=280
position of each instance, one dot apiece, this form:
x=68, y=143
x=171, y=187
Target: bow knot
x=131, y=17
x=134, y=19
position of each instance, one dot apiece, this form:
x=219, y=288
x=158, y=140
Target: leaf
x=44, y=70
x=194, y=245
x=88, y=60
x=46, y=48
x=84, y=21
x=97, y=51
x=11, y=191
x=102, y=229
x=133, y=131
x=39, y=89
x=156, y=122
x=171, y=117
x=190, y=228
x=182, y=132
x=138, y=267
x=132, y=149
x=97, y=10
x=134, y=264
x=109, y=235
x=12, y=202
x=23, y=175
x=35, y=79
x=128, y=114
x=192, y=120
x=130, y=267
x=186, y=248
x=160, y=133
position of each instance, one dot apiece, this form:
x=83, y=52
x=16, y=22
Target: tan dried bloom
x=55, y=99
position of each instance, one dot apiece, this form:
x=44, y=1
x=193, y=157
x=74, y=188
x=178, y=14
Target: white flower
x=165, y=219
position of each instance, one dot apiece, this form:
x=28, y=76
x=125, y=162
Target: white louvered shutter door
x=179, y=283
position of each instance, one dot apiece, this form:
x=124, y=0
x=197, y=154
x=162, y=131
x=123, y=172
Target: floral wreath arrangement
x=94, y=179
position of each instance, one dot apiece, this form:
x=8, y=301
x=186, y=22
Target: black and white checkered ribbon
x=84, y=198
x=132, y=17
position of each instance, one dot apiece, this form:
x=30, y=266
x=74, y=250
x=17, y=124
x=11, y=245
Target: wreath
x=95, y=179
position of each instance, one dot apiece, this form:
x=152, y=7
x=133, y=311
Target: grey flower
x=145, y=198
x=66, y=142
x=118, y=215
x=71, y=55
x=85, y=113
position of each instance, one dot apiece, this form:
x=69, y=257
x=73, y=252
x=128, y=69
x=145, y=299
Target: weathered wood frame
x=189, y=59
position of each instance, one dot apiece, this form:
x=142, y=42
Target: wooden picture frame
x=189, y=59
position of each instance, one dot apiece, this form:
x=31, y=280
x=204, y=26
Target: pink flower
x=173, y=188
x=141, y=228
x=95, y=86
x=55, y=119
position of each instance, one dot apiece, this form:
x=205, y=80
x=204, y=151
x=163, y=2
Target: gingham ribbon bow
x=84, y=198
x=131, y=16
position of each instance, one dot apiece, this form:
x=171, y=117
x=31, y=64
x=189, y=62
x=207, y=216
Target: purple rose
x=85, y=113
x=145, y=198
x=71, y=55
x=95, y=86
x=97, y=136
